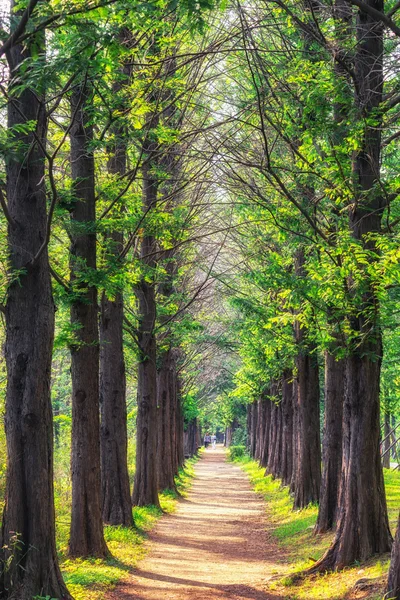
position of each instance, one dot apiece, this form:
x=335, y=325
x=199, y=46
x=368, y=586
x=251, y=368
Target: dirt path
x=215, y=546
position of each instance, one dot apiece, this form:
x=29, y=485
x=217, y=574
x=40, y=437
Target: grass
x=90, y=579
x=294, y=532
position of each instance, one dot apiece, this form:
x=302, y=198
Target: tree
x=28, y=554
x=116, y=497
x=86, y=534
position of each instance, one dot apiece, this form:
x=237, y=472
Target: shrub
x=237, y=452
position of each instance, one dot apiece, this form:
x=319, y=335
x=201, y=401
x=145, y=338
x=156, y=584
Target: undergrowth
x=294, y=532
x=90, y=579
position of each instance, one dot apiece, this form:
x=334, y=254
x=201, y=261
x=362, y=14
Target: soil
x=216, y=546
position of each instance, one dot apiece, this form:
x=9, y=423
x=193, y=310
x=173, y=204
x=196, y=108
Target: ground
x=216, y=546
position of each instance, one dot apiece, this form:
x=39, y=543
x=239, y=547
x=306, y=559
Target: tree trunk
x=180, y=452
x=27, y=537
x=262, y=415
x=191, y=439
x=274, y=439
x=166, y=390
x=393, y=587
x=266, y=437
x=363, y=528
x=116, y=498
x=228, y=437
x=296, y=436
x=332, y=443
x=275, y=462
x=253, y=430
x=308, y=469
x=86, y=534
x=287, y=428
x=145, y=489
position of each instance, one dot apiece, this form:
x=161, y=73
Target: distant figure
x=207, y=440
x=214, y=441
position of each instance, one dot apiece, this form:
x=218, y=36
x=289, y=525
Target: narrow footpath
x=215, y=546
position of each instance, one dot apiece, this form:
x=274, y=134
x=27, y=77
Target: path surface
x=216, y=546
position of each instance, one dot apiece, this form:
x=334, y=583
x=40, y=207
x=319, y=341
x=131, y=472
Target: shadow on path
x=215, y=546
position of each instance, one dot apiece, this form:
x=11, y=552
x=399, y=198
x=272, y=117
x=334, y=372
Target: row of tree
x=101, y=203
x=312, y=175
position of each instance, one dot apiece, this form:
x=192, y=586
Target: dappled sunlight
x=215, y=546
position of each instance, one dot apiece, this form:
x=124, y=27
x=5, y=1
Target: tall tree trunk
x=362, y=528
x=308, y=469
x=274, y=439
x=253, y=430
x=266, y=438
x=332, y=443
x=335, y=370
x=260, y=429
x=277, y=461
x=27, y=539
x=228, y=437
x=180, y=453
x=393, y=587
x=86, y=534
x=116, y=497
x=167, y=397
x=262, y=415
x=287, y=428
x=145, y=489
x=191, y=439
x=296, y=436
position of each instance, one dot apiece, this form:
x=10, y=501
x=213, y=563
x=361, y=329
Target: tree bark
x=253, y=429
x=180, y=453
x=266, y=437
x=307, y=480
x=393, y=587
x=332, y=443
x=145, y=489
x=260, y=430
x=287, y=428
x=363, y=528
x=275, y=457
x=191, y=439
x=296, y=436
x=166, y=439
x=116, y=497
x=86, y=534
x=27, y=536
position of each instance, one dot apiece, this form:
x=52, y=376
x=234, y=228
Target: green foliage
x=236, y=452
x=239, y=436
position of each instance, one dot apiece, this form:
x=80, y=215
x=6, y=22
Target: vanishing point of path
x=215, y=546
